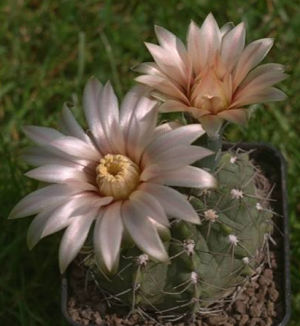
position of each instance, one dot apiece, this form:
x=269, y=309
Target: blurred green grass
x=48, y=49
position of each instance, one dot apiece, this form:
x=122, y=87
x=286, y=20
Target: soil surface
x=254, y=305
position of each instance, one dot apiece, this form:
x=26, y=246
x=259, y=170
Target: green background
x=48, y=49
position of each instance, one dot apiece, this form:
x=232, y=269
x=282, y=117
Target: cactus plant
x=207, y=261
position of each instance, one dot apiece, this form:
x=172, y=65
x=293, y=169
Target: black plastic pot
x=274, y=167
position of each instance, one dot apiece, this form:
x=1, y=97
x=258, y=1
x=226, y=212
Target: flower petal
x=77, y=205
x=239, y=116
x=269, y=94
x=173, y=106
x=211, y=124
x=194, y=43
x=42, y=135
x=44, y=155
x=147, y=68
x=226, y=28
x=188, y=176
x=91, y=107
x=58, y=174
x=232, y=45
x=134, y=100
x=164, y=85
x=257, y=84
x=50, y=196
x=71, y=126
x=36, y=228
x=108, y=235
x=150, y=205
x=76, y=147
x=253, y=54
x=182, y=135
x=54, y=220
x=140, y=134
x=165, y=128
x=109, y=117
x=169, y=60
x=263, y=76
x=210, y=39
x=134, y=108
x=175, y=204
x=142, y=231
x=171, y=159
x=74, y=238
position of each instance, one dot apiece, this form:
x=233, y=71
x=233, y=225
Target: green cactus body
x=207, y=261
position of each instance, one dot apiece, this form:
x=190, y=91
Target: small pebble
x=240, y=307
x=244, y=320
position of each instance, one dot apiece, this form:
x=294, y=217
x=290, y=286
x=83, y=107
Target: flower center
x=117, y=176
x=209, y=92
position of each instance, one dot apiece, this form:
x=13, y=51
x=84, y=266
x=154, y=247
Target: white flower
x=117, y=175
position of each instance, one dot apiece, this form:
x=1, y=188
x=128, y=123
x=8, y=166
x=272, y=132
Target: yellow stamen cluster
x=117, y=176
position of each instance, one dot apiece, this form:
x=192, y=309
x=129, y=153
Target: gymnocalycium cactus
x=207, y=261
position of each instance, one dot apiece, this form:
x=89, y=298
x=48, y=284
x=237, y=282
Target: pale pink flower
x=117, y=174
x=215, y=77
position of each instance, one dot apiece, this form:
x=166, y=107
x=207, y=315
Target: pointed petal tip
x=14, y=214
x=91, y=83
x=24, y=128
x=135, y=68
x=112, y=267
x=162, y=257
x=214, y=184
x=62, y=268
x=241, y=25
x=149, y=45
x=192, y=26
x=269, y=41
x=108, y=84
x=27, y=129
x=27, y=174
x=63, y=265
x=30, y=244
x=65, y=108
x=158, y=28
x=11, y=215
x=195, y=219
x=93, y=78
x=210, y=17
